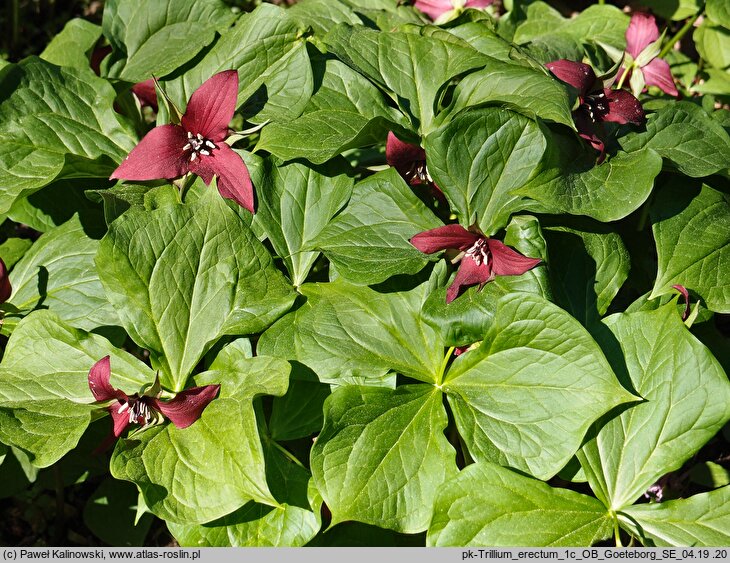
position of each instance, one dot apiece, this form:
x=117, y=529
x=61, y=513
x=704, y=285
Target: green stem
x=287, y=453
x=617, y=531
x=623, y=77
x=442, y=369
x=14, y=25
x=669, y=45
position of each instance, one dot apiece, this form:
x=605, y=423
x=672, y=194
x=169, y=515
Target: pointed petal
x=509, y=262
x=234, y=181
x=578, y=75
x=478, y=3
x=211, y=106
x=121, y=419
x=622, y=108
x=434, y=8
x=188, y=405
x=685, y=294
x=402, y=156
x=99, y=376
x=470, y=273
x=657, y=73
x=441, y=238
x=5, y=288
x=146, y=93
x=642, y=30
x=158, y=155
x=587, y=130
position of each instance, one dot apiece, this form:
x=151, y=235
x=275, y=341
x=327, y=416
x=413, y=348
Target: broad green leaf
x=412, y=67
x=13, y=249
x=369, y=241
x=698, y=521
x=148, y=39
x=262, y=47
x=713, y=44
x=197, y=474
x=382, y=455
x=685, y=135
x=674, y=9
x=110, y=514
x=344, y=332
x=298, y=414
x=484, y=40
x=73, y=45
x=716, y=82
x=479, y=158
x=568, y=180
x=691, y=227
x=55, y=123
x=719, y=12
x=587, y=269
x=521, y=88
x=58, y=273
x=488, y=505
x=533, y=354
x=346, y=111
x=182, y=276
x=291, y=524
x=686, y=401
x=45, y=402
x=323, y=15
x=296, y=203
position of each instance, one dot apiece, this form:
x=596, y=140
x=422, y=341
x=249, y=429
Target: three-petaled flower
x=440, y=10
x=596, y=103
x=408, y=159
x=197, y=145
x=482, y=258
x=642, y=57
x=146, y=408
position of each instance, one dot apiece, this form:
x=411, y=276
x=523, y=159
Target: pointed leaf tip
x=212, y=105
x=99, y=376
x=509, y=262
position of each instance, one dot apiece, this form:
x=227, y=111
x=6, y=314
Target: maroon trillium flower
x=482, y=259
x=408, y=159
x=147, y=408
x=437, y=8
x=596, y=104
x=641, y=37
x=146, y=94
x=683, y=291
x=196, y=145
x=5, y=289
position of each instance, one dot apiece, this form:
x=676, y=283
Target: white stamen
x=186, y=147
x=193, y=156
x=190, y=135
x=123, y=408
x=205, y=152
x=209, y=144
x=479, y=251
x=199, y=136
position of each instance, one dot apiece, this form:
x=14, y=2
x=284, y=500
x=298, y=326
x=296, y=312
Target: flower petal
x=121, y=419
x=509, y=262
x=622, y=108
x=657, y=73
x=188, y=405
x=478, y=3
x=211, y=106
x=441, y=238
x=5, y=288
x=685, y=294
x=578, y=75
x=642, y=30
x=402, y=156
x=587, y=130
x=434, y=8
x=99, y=376
x=234, y=181
x=158, y=155
x=470, y=273
x=146, y=93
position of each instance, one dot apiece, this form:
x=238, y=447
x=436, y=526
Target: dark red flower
x=147, y=408
x=482, y=258
x=596, y=103
x=196, y=145
x=408, y=159
x=5, y=289
x=683, y=291
x=145, y=92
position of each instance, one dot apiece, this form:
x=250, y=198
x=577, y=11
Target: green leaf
x=110, y=514
x=346, y=111
x=197, y=474
x=147, y=40
x=182, y=276
x=296, y=203
x=488, y=505
x=369, y=241
x=713, y=44
x=700, y=520
x=412, y=67
x=55, y=123
x=587, y=269
x=73, y=45
x=273, y=68
x=524, y=89
x=691, y=227
x=395, y=452
x=569, y=181
x=479, y=158
x=686, y=401
x=291, y=524
x=533, y=354
x=673, y=9
x=685, y=135
x=13, y=249
x=58, y=273
x=344, y=332
x=484, y=40
x=45, y=402
x=323, y=15
x=298, y=414
x=719, y=12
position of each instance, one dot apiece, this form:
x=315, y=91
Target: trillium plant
x=367, y=272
